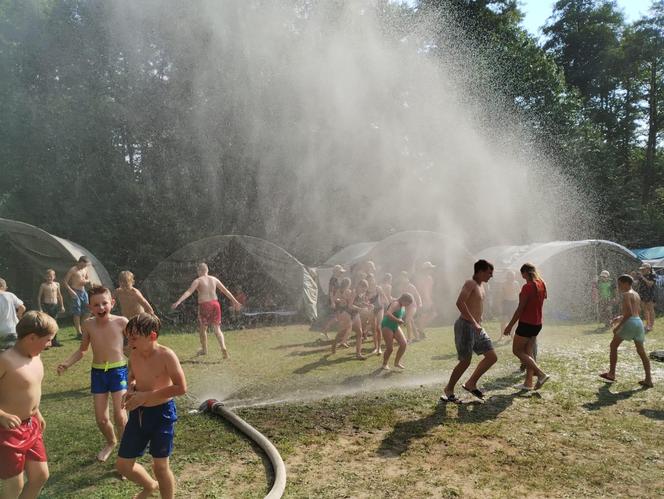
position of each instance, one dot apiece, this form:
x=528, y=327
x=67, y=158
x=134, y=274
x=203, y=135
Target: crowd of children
x=141, y=388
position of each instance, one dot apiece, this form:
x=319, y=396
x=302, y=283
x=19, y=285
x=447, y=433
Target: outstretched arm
x=78, y=354
x=236, y=304
x=186, y=294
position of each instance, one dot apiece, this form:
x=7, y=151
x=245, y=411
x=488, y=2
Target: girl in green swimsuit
x=390, y=328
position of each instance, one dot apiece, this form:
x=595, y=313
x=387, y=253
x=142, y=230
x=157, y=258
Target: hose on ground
x=215, y=407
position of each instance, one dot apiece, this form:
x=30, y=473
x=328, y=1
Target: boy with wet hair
x=74, y=282
x=104, y=332
x=209, y=309
x=131, y=300
x=11, y=310
x=155, y=378
x=49, y=299
x=629, y=327
x=21, y=423
x=469, y=336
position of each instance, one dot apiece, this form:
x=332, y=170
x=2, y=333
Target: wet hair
x=143, y=324
x=50, y=271
x=530, y=270
x=34, y=322
x=3, y=283
x=126, y=278
x=98, y=290
x=84, y=259
x=406, y=298
x=344, y=283
x=482, y=266
x=202, y=267
x=626, y=278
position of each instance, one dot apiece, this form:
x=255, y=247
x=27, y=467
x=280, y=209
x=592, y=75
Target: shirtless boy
x=209, y=309
x=155, y=378
x=21, y=423
x=104, y=332
x=630, y=327
x=49, y=299
x=469, y=336
x=74, y=282
x=131, y=300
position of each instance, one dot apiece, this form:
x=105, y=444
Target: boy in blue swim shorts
x=104, y=332
x=155, y=378
x=629, y=328
x=75, y=281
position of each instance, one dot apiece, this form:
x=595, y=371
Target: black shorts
x=527, y=330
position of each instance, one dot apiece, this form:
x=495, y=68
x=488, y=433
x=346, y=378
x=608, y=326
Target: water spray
x=215, y=407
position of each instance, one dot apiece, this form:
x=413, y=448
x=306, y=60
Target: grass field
x=345, y=429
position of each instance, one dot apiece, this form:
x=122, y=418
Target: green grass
x=348, y=430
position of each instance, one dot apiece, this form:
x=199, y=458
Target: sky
x=538, y=11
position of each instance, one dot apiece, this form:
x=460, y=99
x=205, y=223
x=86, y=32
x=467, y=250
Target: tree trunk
x=649, y=166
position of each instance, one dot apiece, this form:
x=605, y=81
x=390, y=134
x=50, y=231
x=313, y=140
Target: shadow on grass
x=652, y=414
x=359, y=379
x=444, y=357
x=199, y=361
x=69, y=394
x=607, y=398
x=599, y=330
x=310, y=344
x=305, y=353
x=404, y=433
x=324, y=361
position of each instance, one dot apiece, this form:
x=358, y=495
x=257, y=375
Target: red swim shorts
x=18, y=445
x=209, y=313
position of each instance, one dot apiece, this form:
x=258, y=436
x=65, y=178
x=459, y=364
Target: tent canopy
x=568, y=267
x=653, y=256
x=270, y=276
x=28, y=251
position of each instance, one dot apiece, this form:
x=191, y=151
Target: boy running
x=74, y=282
x=21, y=423
x=469, y=336
x=104, y=333
x=630, y=327
x=209, y=309
x=49, y=299
x=131, y=300
x=156, y=377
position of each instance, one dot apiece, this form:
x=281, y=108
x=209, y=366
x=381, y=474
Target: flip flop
x=606, y=377
x=646, y=385
x=541, y=381
x=449, y=398
x=475, y=392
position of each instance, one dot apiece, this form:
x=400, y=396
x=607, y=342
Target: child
x=11, y=310
x=605, y=297
x=21, y=422
x=49, y=299
x=104, y=333
x=630, y=327
x=390, y=328
x=156, y=377
x=78, y=277
x=469, y=336
x=132, y=302
x=209, y=309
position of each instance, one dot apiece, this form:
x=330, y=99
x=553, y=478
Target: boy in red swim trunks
x=209, y=309
x=21, y=423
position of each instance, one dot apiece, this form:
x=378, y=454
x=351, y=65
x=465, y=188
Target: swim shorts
x=80, y=302
x=108, y=380
x=528, y=330
x=51, y=309
x=467, y=339
x=19, y=445
x=209, y=313
x=149, y=425
x=633, y=329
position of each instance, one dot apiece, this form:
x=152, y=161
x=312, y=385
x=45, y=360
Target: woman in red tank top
x=529, y=315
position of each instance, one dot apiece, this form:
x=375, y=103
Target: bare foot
x=344, y=345
x=225, y=354
x=145, y=493
x=359, y=356
x=646, y=383
x=386, y=367
x=400, y=365
x=374, y=351
x=104, y=454
x=201, y=352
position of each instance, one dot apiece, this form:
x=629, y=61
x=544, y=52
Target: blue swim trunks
x=79, y=305
x=108, y=380
x=149, y=425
